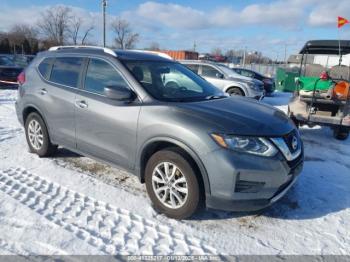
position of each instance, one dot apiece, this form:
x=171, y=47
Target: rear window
x=45, y=67
x=66, y=70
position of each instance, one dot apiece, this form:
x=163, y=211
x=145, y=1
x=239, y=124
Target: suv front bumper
x=248, y=182
x=258, y=95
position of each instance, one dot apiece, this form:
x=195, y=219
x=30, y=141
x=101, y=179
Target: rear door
x=62, y=78
x=106, y=128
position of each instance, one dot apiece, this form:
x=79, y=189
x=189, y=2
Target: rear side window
x=66, y=70
x=101, y=74
x=193, y=68
x=45, y=67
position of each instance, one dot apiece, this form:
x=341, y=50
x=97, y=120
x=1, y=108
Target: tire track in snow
x=12, y=248
x=108, y=228
x=9, y=133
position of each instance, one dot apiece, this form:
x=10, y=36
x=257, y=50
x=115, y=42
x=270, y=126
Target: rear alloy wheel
x=341, y=133
x=172, y=184
x=37, y=136
x=235, y=91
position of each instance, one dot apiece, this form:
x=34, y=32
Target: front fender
x=183, y=146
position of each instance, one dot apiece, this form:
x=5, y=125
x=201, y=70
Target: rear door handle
x=81, y=104
x=43, y=91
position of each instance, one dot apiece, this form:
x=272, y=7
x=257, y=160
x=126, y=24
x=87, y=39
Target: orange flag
x=342, y=21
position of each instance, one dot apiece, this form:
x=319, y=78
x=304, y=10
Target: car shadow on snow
x=65, y=153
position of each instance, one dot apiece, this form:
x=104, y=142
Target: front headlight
x=254, y=86
x=244, y=144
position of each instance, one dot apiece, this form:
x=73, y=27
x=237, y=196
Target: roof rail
x=104, y=49
x=154, y=53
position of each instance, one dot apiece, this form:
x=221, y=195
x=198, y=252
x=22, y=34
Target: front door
x=211, y=74
x=105, y=128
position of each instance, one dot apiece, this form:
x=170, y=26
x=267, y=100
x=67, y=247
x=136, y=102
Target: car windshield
x=169, y=81
x=5, y=61
x=228, y=71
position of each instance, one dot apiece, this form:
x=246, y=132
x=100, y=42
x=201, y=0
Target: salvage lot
x=73, y=205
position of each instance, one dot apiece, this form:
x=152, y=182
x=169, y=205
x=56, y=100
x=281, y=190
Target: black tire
x=341, y=133
x=193, y=201
x=235, y=91
x=47, y=148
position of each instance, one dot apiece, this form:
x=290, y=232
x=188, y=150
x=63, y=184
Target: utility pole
x=104, y=5
x=285, y=54
x=244, y=56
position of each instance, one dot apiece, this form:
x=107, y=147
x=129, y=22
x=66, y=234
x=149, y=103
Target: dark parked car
x=23, y=60
x=9, y=72
x=190, y=143
x=269, y=83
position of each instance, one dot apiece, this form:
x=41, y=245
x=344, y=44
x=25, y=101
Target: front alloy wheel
x=172, y=183
x=169, y=185
x=235, y=91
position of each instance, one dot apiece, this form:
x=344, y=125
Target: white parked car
x=226, y=79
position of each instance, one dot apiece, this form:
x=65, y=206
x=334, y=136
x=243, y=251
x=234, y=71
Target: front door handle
x=43, y=91
x=81, y=104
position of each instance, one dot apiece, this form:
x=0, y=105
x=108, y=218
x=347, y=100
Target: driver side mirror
x=220, y=75
x=119, y=93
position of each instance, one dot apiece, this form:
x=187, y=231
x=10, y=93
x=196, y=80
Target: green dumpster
x=285, y=79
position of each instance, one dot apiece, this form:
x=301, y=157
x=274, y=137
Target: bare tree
x=54, y=24
x=24, y=37
x=125, y=37
x=87, y=34
x=75, y=29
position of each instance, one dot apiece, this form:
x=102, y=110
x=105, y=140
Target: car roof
x=142, y=55
x=197, y=61
x=120, y=54
x=326, y=47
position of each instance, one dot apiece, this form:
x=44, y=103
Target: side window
x=99, y=75
x=209, y=71
x=247, y=73
x=45, y=67
x=65, y=71
x=193, y=68
x=238, y=71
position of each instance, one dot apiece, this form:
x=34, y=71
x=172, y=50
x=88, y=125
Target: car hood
x=246, y=80
x=240, y=116
x=240, y=77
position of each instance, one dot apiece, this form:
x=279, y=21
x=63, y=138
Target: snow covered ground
x=73, y=205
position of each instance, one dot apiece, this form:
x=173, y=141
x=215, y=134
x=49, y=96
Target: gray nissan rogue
x=190, y=143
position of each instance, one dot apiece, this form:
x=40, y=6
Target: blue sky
x=262, y=25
